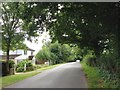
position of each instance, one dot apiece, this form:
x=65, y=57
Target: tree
x=17, y=24
x=12, y=33
x=44, y=54
x=85, y=24
x=57, y=53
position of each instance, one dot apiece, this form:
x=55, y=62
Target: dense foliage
x=11, y=64
x=20, y=66
x=57, y=53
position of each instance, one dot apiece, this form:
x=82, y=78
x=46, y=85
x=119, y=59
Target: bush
x=39, y=66
x=29, y=64
x=20, y=69
x=30, y=68
x=20, y=66
x=109, y=63
x=11, y=64
x=90, y=60
x=109, y=67
x=111, y=80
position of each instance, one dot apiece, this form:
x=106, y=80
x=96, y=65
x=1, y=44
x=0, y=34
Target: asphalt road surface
x=68, y=75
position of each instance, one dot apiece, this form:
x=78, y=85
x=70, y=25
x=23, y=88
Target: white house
x=19, y=55
x=25, y=54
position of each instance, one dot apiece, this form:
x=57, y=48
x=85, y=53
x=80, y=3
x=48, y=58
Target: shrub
x=29, y=64
x=30, y=68
x=90, y=60
x=20, y=69
x=111, y=80
x=11, y=64
x=109, y=63
x=20, y=66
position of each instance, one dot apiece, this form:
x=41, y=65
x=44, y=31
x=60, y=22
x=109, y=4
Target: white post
x=14, y=68
x=33, y=61
x=24, y=67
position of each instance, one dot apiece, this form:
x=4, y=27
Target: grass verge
x=8, y=80
x=98, y=78
x=93, y=76
x=49, y=67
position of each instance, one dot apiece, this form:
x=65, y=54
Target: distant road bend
x=69, y=75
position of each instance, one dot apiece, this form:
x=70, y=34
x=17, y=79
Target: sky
x=38, y=45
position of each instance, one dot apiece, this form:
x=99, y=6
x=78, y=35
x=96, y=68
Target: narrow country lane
x=68, y=75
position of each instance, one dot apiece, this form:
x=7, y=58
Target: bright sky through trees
x=37, y=45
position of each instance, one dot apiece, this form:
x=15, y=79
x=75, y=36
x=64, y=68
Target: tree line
x=57, y=53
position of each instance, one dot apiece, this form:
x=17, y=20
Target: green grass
x=8, y=80
x=93, y=76
x=1, y=60
x=49, y=67
x=96, y=78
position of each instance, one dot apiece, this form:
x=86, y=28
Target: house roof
x=30, y=49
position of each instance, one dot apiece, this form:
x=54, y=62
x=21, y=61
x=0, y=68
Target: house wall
x=22, y=52
x=4, y=57
x=28, y=52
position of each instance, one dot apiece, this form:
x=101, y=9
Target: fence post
x=24, y=67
